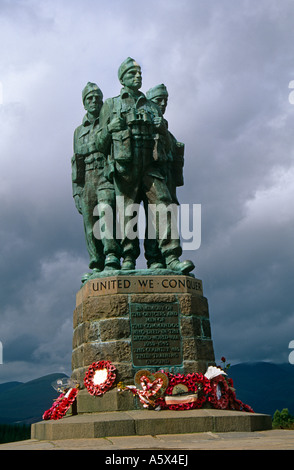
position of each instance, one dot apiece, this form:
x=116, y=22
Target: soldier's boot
x=128, y=263
x=156, y=265
x=97, y=265
x=156, y=261
x=176, y=265
x=111, y=262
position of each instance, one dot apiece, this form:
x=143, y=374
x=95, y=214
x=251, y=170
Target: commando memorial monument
x=142, y=357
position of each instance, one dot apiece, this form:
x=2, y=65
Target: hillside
x=264, y=386
x=26, y=402
x=8, y=385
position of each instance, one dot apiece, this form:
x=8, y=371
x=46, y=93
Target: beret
x=126, y=65
x=158, y=90
x=91, y=87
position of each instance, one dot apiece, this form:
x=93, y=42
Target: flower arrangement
x=149, y=391
x=100, y=377
x=61, y=405
x=223, y=395
x=219, y=396
x=186, y=392
x=179, y=392
x=159, y=390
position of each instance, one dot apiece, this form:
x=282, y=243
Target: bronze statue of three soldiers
x=124, y=155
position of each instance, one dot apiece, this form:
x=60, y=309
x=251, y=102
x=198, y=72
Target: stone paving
x=258, y=440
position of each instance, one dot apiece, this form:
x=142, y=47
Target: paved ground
x=259, y=440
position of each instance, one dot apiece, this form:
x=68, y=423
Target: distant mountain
x=264, y=386
x=26, y=402
x=8, y=385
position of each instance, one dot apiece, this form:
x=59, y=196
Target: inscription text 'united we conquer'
x=146, y=284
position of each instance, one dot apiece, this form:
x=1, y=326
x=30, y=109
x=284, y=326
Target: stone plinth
x=144, y=422
x=140, y=322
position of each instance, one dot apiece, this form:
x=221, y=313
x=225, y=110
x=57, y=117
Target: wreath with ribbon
x=220, y=392
x=148, y=387
x=100, y=377
x=194, y=383
x=61, y=405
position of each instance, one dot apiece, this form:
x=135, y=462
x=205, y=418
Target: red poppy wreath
x=185, y=392
x=100, y=377
x=61, y=405
x=220, y=393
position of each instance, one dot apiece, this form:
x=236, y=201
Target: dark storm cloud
x=227, y=66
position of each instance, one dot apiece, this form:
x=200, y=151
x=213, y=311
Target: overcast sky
x=227, y=65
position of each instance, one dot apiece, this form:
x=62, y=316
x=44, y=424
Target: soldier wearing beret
x=175, y=161
x=90, y=186
x=134, y=134
x=174, y=172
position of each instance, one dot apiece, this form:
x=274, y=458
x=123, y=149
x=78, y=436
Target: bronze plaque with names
x=156, y=338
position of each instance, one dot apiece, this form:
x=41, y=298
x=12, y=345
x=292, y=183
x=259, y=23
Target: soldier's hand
x=116, y=124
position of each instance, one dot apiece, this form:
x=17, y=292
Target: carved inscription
x=139, y=284
x=156, y=339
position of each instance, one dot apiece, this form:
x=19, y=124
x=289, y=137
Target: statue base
x=138, y=321
x=154, y=322
x=145, y=422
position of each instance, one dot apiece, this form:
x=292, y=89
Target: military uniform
x=90, y=187
x=173, y=171
x=175, y=157
x=139, y=158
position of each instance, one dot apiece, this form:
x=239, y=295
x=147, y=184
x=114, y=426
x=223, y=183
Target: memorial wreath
x=100, y=377
x=220, y=392
x=61, y=405
x=185, y=392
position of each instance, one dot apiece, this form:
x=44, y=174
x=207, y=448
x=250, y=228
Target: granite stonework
x=139, y=322
x=104, y=323
x=145, y=422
